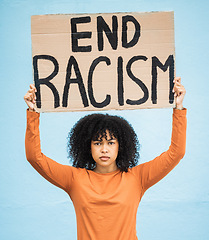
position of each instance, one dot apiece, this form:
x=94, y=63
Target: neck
x=110, y=169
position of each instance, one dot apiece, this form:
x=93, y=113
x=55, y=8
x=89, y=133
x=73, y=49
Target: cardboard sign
x=103, y=61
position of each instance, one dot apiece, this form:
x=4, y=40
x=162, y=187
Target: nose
x=104, y=148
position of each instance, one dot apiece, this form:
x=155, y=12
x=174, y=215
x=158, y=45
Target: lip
x=104, y=158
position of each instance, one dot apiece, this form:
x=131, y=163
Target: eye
x=111, y=143
x=97, y=143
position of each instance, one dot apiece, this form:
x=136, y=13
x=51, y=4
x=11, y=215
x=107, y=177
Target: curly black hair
x=93, y=127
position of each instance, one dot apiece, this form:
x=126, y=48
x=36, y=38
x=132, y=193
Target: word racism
x=98, y=52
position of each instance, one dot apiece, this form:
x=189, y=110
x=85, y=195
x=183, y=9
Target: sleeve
x=56, y=173
x=153, y=171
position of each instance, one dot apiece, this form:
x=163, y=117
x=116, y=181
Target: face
x=104, y=152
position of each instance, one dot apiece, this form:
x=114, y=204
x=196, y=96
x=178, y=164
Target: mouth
x=104, y=158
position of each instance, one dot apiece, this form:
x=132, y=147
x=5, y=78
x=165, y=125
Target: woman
x=105, y=183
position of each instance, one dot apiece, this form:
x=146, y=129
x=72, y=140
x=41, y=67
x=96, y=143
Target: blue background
x=175, y=208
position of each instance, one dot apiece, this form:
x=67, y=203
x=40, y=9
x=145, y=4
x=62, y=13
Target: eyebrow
x=100, y=140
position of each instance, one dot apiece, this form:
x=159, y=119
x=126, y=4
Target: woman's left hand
x=179, y=92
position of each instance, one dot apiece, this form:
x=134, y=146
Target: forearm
x=56, y=173
x=159, y=167
x=178, y=140
x=169, y=159
x=32, y=138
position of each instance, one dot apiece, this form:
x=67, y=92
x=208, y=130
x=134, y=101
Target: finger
x=34, y=99
x=25, y=98
x=180, y=89
x=177, y=79
x=181, y=93
x=34, y=95
x=32, y=92
x=175, y=88
x=28, y=97
x=178, y=84
x=33, y=87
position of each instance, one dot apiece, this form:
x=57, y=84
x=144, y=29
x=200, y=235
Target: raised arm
x=58, y=174
x=151, y=172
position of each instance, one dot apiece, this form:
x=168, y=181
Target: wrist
x=179, y=107
x=31, y=110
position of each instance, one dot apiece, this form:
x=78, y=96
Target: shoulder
x=78, y=171
x=136, y=170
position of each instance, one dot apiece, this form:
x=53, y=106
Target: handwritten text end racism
x=111, y=34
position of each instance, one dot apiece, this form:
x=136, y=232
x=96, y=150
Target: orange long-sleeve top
x=106, y=204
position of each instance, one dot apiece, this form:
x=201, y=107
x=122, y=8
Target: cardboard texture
x=103, y=61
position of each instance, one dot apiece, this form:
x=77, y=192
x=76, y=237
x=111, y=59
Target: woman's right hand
x=30, y=97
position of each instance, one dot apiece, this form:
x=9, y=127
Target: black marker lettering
x=79, y=35
x=90, y=88
x=45, y=81
x=78, y=80
x=137, y=33
x=156, y=63
x=112, y=36
x=120, y=82
x=138, y=81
